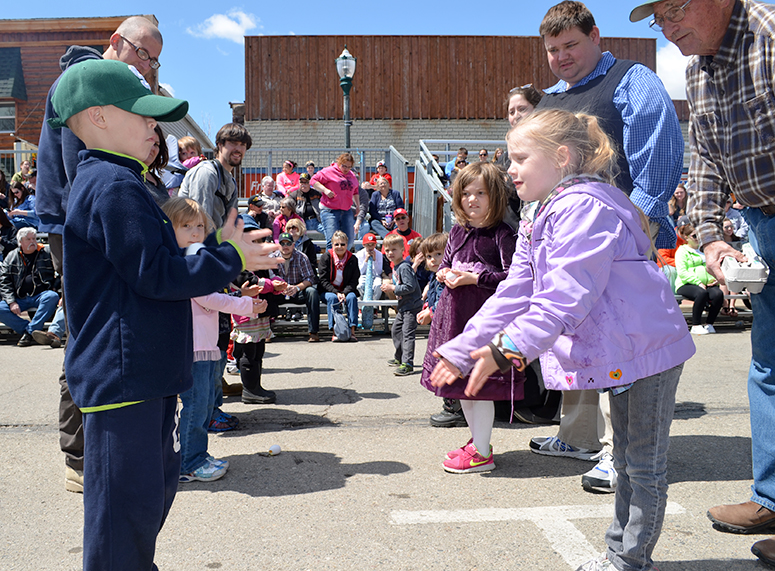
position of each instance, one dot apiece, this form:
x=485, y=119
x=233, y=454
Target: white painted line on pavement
x=554, y=521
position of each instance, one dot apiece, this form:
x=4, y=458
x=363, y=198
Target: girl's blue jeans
x=198, y=402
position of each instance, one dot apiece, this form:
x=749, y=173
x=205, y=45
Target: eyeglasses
x=401, y=218
x=339, y=245
x=693, y=236
x=143, y=54
x=482, y=154
x=674, y=14
x=286, y=243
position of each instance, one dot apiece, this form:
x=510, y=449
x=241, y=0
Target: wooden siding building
x=29, y=64
x=405, y=88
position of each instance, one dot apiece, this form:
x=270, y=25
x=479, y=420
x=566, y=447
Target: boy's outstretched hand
x=485, y=366
x=255, y=250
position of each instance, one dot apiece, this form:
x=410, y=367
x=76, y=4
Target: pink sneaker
x=469, y=460
x=457, y=451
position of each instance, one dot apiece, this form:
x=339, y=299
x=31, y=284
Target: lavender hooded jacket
x=582, y=295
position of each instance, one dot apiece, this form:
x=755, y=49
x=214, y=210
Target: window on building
x=7, y=117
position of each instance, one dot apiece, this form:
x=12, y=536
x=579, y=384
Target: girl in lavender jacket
x=582, y=294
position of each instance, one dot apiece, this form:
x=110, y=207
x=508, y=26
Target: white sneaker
x=700, y=330
x=599, y=563
x=601, y=478
x=208, y=472
x=710, y=329
x=553, y=446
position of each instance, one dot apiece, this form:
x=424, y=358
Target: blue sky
x=203, y=57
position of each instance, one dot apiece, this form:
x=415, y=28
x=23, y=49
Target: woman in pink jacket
x=583, y=295
x=339, y=189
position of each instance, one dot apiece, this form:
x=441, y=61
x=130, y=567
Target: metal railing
x=11, y=160
x=432, y=202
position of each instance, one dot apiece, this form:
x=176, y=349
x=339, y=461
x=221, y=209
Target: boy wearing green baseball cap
x=129, y=352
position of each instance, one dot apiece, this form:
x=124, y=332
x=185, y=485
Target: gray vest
x=597, y=98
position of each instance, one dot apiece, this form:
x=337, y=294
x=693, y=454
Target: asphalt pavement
x=359, y=483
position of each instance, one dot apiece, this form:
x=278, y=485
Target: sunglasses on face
x=401, y=218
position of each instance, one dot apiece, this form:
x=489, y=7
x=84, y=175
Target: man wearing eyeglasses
x=636, y=112
x=137, y=42
x=729, y=84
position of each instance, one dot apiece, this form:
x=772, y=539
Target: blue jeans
x=363, y=229
x=641, y=418
x=57, y=326
x=45, y=304
x=334, y=220
x=313, y=224
x=761, y=382
x=350, y=302
x=195, y=416
x=311, y=298
x=217, y=401
x=379, y=228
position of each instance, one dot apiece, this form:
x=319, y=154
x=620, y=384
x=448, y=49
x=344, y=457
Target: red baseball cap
x=369, y=239
x=398, y=211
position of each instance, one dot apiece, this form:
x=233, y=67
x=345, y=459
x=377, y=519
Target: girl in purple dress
x=476, y=260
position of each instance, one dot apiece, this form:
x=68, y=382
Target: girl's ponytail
x=600, y=153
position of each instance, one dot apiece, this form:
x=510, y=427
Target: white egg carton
x=750, y=275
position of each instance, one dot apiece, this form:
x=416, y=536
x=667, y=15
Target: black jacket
x=12, y=273
x=326, y=274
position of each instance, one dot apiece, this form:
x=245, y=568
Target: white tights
x=480, y=414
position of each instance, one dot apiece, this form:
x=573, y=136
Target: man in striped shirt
x=729, y=85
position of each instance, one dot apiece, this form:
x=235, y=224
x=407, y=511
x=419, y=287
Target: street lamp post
x=345, y=67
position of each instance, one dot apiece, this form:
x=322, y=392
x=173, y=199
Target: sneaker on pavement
x=403, y=370
x=709, y=328
x=218, y=461
x=553, y=446
x=458, y=451
x=227, y=418
x=394, y=363
x=699, y=330
x=220, y=426
x=448, y=419
x=601, y=478
x=207, y=472
x=73, y=480
x=599, y=563
x=469, y=460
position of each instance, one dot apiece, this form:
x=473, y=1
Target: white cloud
x=671, y=69
x=231, y=26
x=168, y=88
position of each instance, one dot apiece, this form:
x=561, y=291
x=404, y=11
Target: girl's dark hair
x=12, y=202
x=497, y=189
x=530, y=93
x=164, y=154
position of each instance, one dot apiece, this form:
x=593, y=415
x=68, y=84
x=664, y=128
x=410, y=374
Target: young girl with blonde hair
x=583, y=295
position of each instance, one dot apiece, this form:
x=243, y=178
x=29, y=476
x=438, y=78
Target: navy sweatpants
x=131, y=469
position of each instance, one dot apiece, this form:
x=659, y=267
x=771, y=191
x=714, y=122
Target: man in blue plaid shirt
x=729, y=85
x=296, y=270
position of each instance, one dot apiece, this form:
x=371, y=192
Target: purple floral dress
x=488, y=252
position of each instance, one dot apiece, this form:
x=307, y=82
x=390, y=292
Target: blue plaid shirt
x=653, y=143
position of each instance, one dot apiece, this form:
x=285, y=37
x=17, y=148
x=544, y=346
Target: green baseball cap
x=643, y=11
x=97, y=82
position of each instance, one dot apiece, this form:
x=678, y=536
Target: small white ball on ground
x=274, y=449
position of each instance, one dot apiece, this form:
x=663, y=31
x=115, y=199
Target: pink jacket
x=344, y=187
x=287, y=183
x=204, y=311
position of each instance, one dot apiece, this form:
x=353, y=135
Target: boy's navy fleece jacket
x=128, y=288
x=407, y=289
